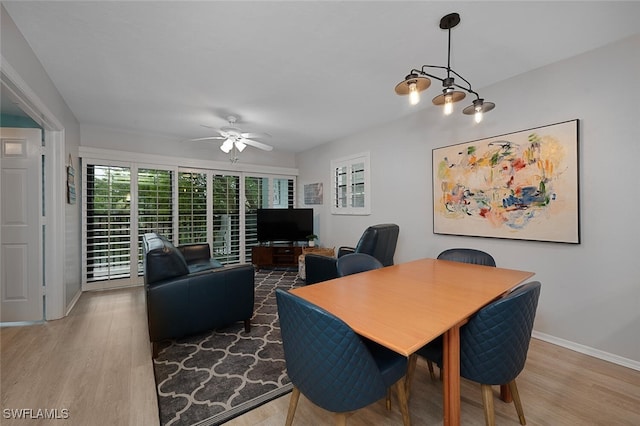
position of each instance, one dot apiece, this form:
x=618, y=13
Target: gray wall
x=16, y=51
x=591, y=292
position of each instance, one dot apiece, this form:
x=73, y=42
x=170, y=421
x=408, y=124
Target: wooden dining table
x=405, y=306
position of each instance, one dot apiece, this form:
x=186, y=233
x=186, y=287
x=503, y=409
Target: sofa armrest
x=196, y=252
x=319, y=268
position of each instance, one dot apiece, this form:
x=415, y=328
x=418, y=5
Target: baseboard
x=73, y=302
x=109, y=285
x=596, y=353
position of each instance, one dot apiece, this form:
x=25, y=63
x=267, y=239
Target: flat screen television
x=284, y=225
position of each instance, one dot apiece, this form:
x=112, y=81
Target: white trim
x=112, y=284
x=55, y=249
x=54, y=245
x=135, y=157
x=73, y=303
x=30, y=103
x=596, y=353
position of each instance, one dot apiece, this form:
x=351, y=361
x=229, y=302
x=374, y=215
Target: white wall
x=591, y=292
x=18, y=55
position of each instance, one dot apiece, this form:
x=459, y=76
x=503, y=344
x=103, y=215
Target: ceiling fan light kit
x=235, y=140
x=418, y=80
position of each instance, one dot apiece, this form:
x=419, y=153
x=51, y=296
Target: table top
x=405, y=306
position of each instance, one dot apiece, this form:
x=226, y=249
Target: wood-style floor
x=96, y=364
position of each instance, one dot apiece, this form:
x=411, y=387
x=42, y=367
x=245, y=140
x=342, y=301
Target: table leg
x=451, y=361
x=505, y=393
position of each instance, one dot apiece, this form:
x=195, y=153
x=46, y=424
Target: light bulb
x=478, y=115
x=414, y=95
x=226, y=146
x=448, y=104
x=240, y=145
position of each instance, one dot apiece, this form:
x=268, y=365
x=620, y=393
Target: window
x=192, y=207
x=108, y=223
x=226, y=218
x=264, y=192
x=123, y=201
x=351, y=188
x=155, y=206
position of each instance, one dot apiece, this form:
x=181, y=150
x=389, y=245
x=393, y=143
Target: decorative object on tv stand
x=312, y=239
x=418, y=80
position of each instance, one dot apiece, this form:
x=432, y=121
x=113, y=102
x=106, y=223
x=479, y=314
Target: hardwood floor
x=96, y=364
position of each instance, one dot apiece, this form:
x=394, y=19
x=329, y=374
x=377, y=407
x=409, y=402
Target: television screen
x=284, y=225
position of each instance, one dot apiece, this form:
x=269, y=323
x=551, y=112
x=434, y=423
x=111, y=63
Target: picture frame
x=313, y=193
x=522, y=185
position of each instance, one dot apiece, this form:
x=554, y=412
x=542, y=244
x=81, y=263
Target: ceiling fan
x=234, y=138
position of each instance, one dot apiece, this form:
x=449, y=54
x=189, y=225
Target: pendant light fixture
x=418, y=80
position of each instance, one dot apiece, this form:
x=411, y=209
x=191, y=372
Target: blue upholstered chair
x=356, y=262
x=463, y=255
x=331, y=365
x=494, y=345
x=467, y=255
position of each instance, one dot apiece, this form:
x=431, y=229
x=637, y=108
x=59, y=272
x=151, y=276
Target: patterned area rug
x=211, y=378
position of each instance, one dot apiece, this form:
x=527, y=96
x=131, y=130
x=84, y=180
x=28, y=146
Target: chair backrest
x=380, y=242
x=467, y=255
x=326, y=360
x=356, y=262
x=495, y=341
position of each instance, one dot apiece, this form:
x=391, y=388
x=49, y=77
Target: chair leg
x=431, y=373
x=403, y=401
x=247, y=325
x=293, y=404
x=341, y=419
x=487, y=403
x=388, y=402
x=516, y=401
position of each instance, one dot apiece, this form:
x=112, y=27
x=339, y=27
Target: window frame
x=348, y=163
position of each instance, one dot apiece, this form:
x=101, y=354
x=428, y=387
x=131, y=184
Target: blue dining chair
x=467, y=255
x=494, y=345
x=331, y=365
x=355, y=263
x=463, y=255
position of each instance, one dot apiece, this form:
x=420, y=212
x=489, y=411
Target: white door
x=21, y=231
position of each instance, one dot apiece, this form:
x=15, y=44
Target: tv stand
x=275, y=255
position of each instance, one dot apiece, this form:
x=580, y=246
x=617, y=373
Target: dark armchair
x=378, y=241
x=331, y=365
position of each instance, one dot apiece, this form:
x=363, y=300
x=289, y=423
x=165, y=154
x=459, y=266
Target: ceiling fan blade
x=255, y=135
x=210, y=138
x=259, y=145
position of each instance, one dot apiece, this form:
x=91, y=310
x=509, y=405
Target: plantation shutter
x=155, y=206
x=226, y=218
x=192, y=207
x=108, y=227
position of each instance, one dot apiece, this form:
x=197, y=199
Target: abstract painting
x=521, y=185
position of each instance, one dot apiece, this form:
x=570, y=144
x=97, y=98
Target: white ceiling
x=306, y=72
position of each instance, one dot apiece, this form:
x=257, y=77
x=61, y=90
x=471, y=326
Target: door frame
x=54, y=188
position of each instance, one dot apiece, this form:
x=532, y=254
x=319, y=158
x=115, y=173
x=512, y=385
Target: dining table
x=405, y=306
